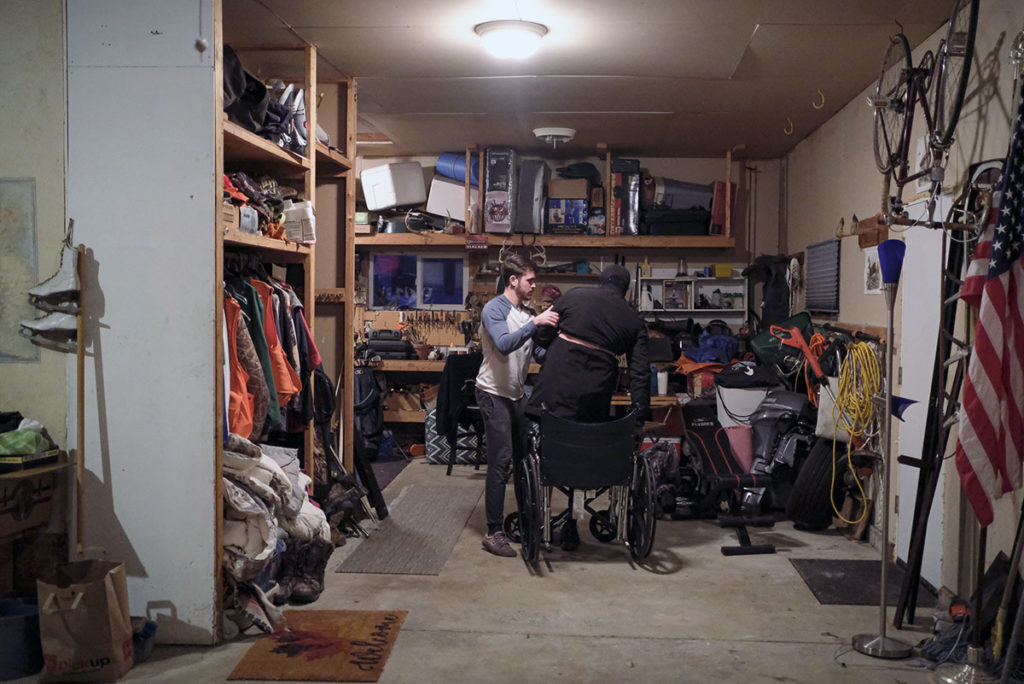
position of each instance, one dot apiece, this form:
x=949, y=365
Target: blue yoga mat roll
x=453, y=165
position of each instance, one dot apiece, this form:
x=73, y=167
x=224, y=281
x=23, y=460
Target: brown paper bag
x=84, y=625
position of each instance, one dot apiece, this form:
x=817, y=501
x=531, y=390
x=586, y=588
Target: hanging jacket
x=286, y=380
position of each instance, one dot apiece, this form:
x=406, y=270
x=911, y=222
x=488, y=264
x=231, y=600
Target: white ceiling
x=652, y=78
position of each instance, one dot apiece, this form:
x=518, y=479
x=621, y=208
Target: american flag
x=990, y=445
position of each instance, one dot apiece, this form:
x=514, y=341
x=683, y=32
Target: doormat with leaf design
x=324, y=646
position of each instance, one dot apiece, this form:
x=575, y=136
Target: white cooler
x=393, y=185
x=448, y=198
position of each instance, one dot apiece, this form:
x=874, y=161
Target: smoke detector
x=555, y=135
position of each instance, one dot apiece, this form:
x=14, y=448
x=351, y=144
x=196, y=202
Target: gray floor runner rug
x=854, y=582
x=419, y=534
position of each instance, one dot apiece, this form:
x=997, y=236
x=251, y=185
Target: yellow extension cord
x=859, y=380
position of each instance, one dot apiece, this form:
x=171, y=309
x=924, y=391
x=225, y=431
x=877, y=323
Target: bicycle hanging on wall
x=937, y=85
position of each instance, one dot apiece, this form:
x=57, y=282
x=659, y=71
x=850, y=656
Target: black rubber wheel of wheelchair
x=640, y=519
x=601, y=526
x=528, y=498
x=511, y=527
x=810, y=502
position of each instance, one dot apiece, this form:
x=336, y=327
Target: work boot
x=497, y=544
x=310, y=566
x=286, y=574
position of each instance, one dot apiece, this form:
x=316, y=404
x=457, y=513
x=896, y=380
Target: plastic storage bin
x=448, y=198
x=393, y=185
x=21, y=654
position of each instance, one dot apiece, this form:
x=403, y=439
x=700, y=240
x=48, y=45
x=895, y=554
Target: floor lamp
x=890, y=258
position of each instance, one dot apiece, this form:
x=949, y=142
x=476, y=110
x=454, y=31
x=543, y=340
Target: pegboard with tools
x=436, y=328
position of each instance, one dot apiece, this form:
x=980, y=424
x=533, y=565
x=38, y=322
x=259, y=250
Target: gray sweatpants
x=504, y=427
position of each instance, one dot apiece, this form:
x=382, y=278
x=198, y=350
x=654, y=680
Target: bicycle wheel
x=890, y=101
x=954, y=68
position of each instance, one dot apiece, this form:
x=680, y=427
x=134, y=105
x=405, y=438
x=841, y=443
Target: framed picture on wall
x=872, y=271
x=393, y=281
x=442, y=283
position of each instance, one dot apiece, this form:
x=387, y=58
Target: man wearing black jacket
x=581, y=371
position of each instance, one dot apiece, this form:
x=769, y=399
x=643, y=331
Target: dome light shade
x=511, y=39
x=890, y=258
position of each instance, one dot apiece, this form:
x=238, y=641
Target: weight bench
x=722, y=477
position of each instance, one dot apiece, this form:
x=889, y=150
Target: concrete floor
x=691, y=615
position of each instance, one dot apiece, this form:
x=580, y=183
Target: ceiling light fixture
x=511, y=38
x=555, y=135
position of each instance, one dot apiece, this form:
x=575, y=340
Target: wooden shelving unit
x=587, y=241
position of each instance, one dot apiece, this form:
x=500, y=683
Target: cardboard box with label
x=566, y=217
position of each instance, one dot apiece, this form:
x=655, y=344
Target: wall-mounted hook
x=820, y=103
x=788, y=130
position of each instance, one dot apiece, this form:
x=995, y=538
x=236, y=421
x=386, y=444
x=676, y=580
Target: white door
x=920, y=285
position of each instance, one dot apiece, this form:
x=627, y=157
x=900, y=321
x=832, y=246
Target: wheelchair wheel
x=640, y=514
x=511, y=526
x=602, y=527
x=528, y=497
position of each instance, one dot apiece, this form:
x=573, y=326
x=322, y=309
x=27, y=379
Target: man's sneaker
x=497, y=544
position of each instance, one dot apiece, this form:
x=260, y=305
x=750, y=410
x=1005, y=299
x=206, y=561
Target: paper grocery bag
x=84, y=625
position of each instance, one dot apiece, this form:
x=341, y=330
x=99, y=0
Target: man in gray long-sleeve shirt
x=507, y=327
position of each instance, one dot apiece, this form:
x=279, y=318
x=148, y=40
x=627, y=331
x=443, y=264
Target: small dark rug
x=388, y=469
x=419, y=534
x=854, y=582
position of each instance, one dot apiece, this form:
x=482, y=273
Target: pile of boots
x=303, y=564
x=57, y=297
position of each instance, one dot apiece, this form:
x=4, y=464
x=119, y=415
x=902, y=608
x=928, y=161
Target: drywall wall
x=142, y=190
x=32, y=380
x=832, y=175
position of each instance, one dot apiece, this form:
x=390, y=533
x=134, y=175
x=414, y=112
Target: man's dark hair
x=515, y=264
x=615, y=277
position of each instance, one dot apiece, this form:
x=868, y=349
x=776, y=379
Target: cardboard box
x=625, y=219
x=566, y=217
x=722, y=270
x=26, y=503
x=230, y=214
x=393, y=185
x=448, y=198
x=718, y=207
x=568, y=188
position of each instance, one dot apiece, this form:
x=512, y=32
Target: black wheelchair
x=596, y=458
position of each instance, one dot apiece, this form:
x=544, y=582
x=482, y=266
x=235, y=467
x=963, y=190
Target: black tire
x=640, y=519
x=601, y=526
x=810, y=501
x=954, y=68
x=892, y=89
x=528, y=498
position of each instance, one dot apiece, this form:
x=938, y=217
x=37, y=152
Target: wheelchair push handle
x=792, y=337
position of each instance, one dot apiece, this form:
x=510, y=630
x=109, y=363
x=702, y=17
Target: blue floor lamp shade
x=890, y=258
x=899, y=405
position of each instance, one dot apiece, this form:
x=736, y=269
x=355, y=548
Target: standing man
x=506, y=336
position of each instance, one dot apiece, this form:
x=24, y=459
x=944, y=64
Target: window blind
x=823, y=277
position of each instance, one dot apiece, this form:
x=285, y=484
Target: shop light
x=511, y=38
